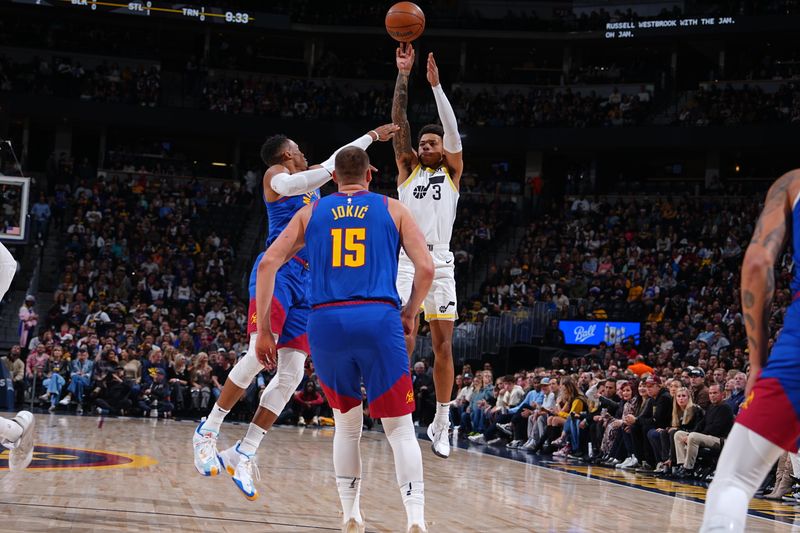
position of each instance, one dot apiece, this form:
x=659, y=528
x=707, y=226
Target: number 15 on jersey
x=348, y=247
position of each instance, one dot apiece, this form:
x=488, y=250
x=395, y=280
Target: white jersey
x=432, y=197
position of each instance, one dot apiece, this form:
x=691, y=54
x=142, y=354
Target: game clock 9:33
x=239, y=18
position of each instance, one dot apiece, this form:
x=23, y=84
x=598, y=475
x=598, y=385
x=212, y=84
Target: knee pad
x=348, y=424
x=407, y=456
x=291, y=364
x=247, y=367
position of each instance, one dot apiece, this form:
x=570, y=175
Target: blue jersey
x=281, y=211
x=795, y=284
x=352, y=244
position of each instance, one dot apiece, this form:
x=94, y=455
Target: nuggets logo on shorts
x=254, y=318
x=309, y=197
x=747, y=401
x=410, y=396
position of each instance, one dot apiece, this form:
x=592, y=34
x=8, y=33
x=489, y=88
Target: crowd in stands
x=671, y=260
x=549, y=107
x=66, y=77
x=311, y=99
x=729, y=106
x=668, y=420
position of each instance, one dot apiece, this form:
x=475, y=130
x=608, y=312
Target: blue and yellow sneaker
x=245, y=471
x=205, y=451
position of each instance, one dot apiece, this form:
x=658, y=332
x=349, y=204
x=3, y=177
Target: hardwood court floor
x=471, y=491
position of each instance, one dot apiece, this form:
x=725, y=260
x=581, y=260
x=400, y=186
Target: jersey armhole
x=449, y=179
x=410, y=177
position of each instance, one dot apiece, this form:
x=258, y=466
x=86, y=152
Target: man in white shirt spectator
x=561, y=300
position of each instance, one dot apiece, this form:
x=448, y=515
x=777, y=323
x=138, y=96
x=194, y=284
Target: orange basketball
x=405, y=21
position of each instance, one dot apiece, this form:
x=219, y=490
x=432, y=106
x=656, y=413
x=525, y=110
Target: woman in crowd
x=628, y=421
x=201, y=382
x=573, y=404
x=479, y=400
x=57, y=373
x=179, y=377
x=686, y=416
x=611, y=444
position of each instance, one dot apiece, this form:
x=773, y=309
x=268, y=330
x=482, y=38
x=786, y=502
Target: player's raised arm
x=758, y=269
x=404, y=154
x=279, y=253
x=452, y=139
x=286, y=183
x=413, y=242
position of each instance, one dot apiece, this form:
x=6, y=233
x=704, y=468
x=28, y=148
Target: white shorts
x=441, y=302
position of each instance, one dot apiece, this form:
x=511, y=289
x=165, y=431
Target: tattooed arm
x=758, y=270
x=404, y=154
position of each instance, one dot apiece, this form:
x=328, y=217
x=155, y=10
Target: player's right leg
x=16, y=434
x=768, y=423
x=347, y=466
x=340, y=378
x=288, y=316
x=405, y=280
x=204, y=439
x=441, y=311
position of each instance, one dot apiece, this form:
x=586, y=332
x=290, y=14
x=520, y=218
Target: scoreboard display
x=152, y=8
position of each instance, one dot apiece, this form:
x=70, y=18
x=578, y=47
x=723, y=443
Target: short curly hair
x=271, y=149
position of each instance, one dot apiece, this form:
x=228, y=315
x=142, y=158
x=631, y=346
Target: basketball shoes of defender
x=242, y=468
x=21, y=452
x=206, y=460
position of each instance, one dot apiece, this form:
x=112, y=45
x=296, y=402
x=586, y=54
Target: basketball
x=405, y=21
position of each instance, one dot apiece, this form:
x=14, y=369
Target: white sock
x=350, y=494
x=9, y=430
x=443, y=412
x=252, y=440
x=215, y=418
x=413, y=494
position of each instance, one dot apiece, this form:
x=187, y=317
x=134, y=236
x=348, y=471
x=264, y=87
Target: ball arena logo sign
x=62, y=458
x=581, y=333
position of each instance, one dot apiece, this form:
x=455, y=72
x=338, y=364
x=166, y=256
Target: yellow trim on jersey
x=449, y=179
x=451, y=316
x=410, y=177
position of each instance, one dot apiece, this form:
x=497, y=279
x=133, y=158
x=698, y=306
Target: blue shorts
x=289, y=310
x=773, y=407
x=364, y=340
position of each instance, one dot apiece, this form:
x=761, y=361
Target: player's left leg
x=390, y=393
x=16, y=434
x=204, y=438
x=347, y=466
x=441, y=312
x=408, y=467
x=443, y=379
